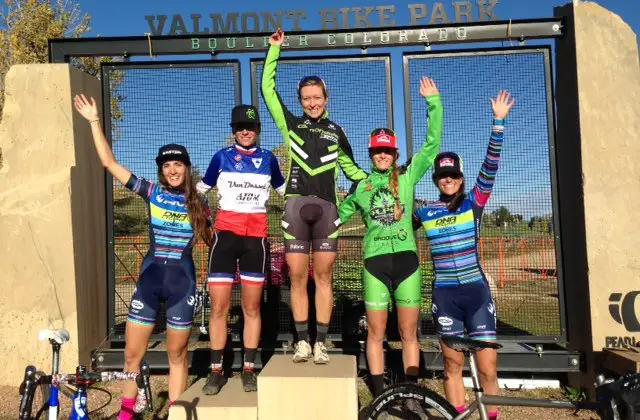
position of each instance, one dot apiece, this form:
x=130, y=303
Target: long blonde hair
x=394, y=184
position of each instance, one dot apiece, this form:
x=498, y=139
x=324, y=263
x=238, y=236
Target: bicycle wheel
x=36, y=400
x=408, y=401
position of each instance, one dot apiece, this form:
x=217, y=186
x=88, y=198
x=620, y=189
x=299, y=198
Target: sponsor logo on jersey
x=239, y=166
x=446, y=221
x=381, y=207
x=160, y=198
x=433, y=212
x=401, y=236
x=445, y=321
x=256, y=162
x=238, y=158
x=247, y=184
x=172, y=215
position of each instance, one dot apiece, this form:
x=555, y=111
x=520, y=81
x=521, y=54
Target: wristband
x=498, y=121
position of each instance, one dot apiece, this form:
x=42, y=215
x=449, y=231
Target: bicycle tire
x=44, y=391
x=402, y=393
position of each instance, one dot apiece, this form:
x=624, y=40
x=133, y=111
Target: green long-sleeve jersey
x=374, y=198
x=315, y=147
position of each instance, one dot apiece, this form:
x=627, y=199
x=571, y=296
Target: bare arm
x=89, y=111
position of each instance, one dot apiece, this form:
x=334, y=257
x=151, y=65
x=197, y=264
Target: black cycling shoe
x=215, y=382
x=249, y=381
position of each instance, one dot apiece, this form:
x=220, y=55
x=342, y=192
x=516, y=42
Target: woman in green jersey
x=385, y=200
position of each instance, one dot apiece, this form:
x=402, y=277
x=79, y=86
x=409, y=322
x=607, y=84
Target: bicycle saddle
x=60, y=336
x=468, y=344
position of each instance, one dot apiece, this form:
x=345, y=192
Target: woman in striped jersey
x=462, y=301
x=178, y=217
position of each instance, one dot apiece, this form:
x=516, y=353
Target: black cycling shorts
x=310, y=221
x=230, y=252
x=168, y=281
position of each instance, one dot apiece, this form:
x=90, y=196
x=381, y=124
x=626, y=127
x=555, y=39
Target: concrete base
x=289, y=391
x=231, y=403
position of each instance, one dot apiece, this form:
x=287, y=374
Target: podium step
x=231, y=403
x=288, y=390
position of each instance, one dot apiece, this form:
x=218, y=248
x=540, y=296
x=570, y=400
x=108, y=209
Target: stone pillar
x=52, y=224
x=598, y=160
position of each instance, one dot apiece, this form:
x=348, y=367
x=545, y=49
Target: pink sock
x=493, y=415
x=461, y=408
x=126, y=410
x=171, y=403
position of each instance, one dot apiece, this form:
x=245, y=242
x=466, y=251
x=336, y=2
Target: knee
x=251, y=310
x=220, y=310
x=323, y=279
x=376, y=334
x=408, y=333
x=488, y=372
x=132, y=359
x=176, y=354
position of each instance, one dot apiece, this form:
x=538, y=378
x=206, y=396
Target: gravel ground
x=9, y=401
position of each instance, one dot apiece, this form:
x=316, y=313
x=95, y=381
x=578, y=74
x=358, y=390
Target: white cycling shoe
x=302, y=352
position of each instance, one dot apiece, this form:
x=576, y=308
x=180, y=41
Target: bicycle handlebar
x=82, y=378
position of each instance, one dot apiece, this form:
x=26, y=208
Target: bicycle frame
x=482, y=401
x=54, y=402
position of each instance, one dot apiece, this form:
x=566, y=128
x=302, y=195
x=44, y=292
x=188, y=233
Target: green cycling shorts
x=397, y=273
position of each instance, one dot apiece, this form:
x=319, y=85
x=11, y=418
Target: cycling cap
x=383, y=137
x=172, y=151
x=446, y=164
x=245, y=114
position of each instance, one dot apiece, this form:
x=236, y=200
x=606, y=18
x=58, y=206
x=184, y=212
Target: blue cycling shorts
x=466, y=308
x=164, y=281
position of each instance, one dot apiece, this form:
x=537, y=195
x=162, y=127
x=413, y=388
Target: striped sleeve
x=140, y=186
x=486, y=178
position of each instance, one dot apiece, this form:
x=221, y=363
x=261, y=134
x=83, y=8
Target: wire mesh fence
x=191, y=105
x=518, y=247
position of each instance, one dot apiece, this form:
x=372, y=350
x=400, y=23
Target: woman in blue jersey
x=178, y=217
x=461, y=297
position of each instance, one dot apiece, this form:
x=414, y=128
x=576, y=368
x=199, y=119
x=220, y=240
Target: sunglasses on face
x=386, y=150
x=242, y=127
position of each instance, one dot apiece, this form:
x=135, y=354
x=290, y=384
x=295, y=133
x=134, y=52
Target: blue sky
x=358, y=94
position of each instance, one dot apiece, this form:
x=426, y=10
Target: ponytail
x=394, y=184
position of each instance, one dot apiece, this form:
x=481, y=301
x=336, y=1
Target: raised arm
x=89, y=111
x=484, y=184
x=345, y=159
x=423, y=160
x=277, y=109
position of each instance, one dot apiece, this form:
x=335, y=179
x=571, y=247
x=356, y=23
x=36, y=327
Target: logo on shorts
x=136, y=304
x=325, y=246
x=445, y=321
x=294, y=246
x=434, y=308
x=191, y=301
x=491, y=308
x=382, y=206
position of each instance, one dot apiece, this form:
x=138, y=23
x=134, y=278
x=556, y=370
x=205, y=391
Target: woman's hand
x=428, y=87
x=502, y=105
x=88, y=110
x=277, y=38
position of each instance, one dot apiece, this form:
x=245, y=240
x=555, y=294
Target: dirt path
x=9, y=400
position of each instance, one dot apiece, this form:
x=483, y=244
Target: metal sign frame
x=105, y=70
x=62, y=50
x=555, y=198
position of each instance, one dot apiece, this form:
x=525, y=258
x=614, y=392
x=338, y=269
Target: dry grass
x=9, y=401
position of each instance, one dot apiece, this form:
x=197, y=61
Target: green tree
x=25, y=29
x=502, y=216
